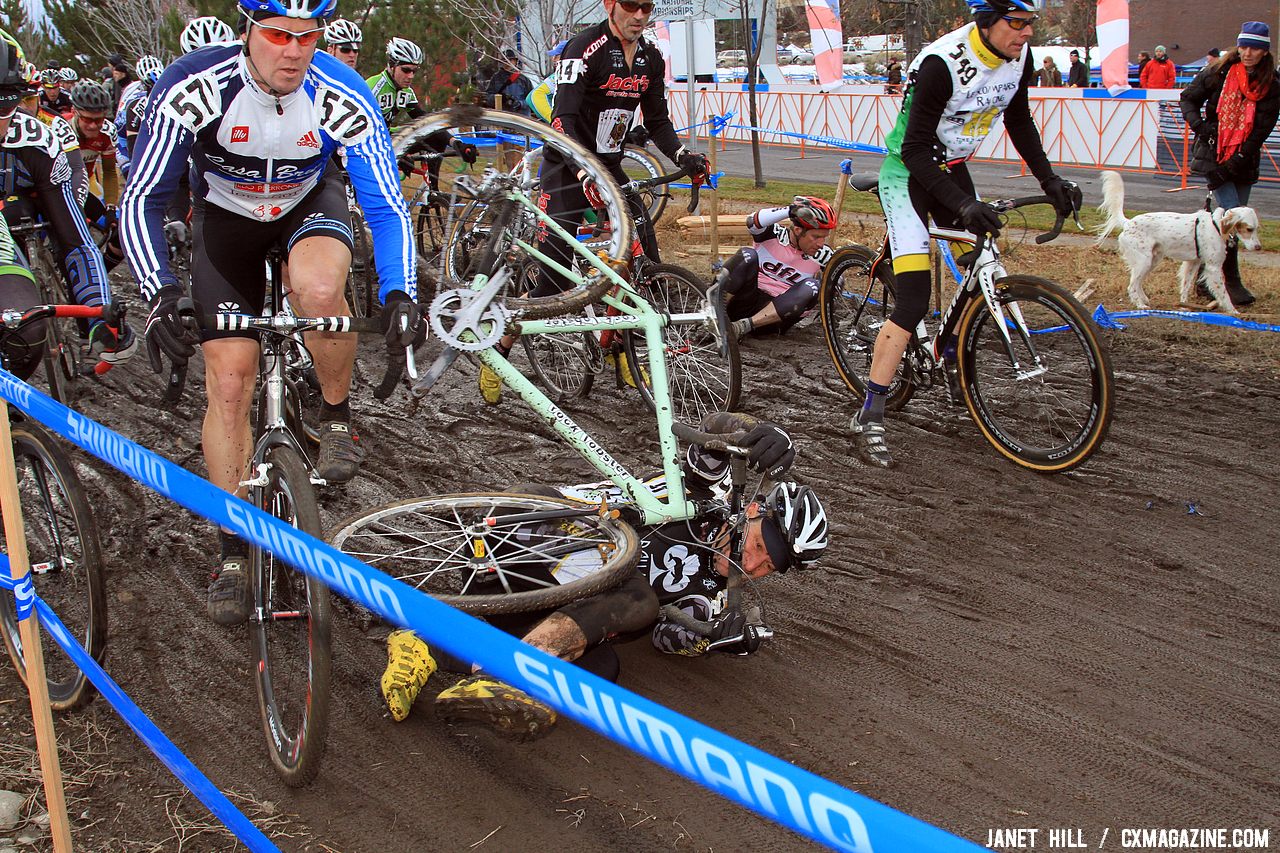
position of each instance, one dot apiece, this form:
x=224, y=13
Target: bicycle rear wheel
x=853, y=307
x=1053, y=411
x=66, y=561
x=494, y=553
x=701, y=379
x=508, y=197
x=430, y=213
x=289, y=629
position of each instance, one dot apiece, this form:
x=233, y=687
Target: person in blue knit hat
x=1232, y=106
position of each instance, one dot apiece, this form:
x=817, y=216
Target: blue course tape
x=833, y=141
x=24, y=591
x=1111, y=319
x=795, y=798
x=181, y=766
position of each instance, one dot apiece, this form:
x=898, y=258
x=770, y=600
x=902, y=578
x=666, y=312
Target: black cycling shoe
x=229, y=593
x=340, y=452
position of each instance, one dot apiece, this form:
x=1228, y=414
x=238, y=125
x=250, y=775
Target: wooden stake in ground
x=715, y=202
x=842, y=183
x=37, y=684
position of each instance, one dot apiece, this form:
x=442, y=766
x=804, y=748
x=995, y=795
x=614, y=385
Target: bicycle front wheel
x=701, y=379
x=489, y=554
x=360, y=276
x=1044, y=399
x=640, y=165
x=62, y=342
x=853, y=306
x=66, y=563
x=289, y=628
x=563, y=363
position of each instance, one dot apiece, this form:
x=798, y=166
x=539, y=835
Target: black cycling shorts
x=228, y=251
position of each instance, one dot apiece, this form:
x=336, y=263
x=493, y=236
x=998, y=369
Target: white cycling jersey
x=258, y=156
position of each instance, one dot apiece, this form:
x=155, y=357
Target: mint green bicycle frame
x=636, y=313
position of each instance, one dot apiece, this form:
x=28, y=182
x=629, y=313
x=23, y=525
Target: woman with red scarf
x=1232, y=106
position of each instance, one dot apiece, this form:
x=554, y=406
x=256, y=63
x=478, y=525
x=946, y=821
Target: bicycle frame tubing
x=635, y=313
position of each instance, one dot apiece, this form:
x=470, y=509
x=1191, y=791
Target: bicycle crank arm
x=438, y=368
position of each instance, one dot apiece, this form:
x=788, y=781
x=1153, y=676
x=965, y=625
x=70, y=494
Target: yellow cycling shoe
x=508, y=711
x=490, y=385
x=622, y=365
x=409, y=665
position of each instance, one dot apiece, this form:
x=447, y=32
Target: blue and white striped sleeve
x=161, y=154
x=371, y=165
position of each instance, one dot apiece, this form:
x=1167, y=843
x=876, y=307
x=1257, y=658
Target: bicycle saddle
x=865, y=183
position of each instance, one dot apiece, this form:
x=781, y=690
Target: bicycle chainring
x=447, y=319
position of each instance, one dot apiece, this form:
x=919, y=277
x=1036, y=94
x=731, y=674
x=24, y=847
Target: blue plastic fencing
x=802, y=801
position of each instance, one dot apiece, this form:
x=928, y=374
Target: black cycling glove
x=402, y=321
x=979, y=218
x=731, y=634
x=165, y=330
x=1064, y=194
x=769, y=449
x=465, y=150
x=696, y=163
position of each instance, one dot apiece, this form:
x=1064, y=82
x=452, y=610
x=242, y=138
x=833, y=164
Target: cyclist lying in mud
x=685, y=564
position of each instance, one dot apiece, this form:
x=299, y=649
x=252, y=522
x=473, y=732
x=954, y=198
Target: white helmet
x=202, y=32
x=149, y=70
x=68, y=75
x=800, y=519
x=342, y=31
x=403, y=52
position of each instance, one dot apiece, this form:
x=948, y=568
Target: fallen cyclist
x=683, y=563
x=775, y=281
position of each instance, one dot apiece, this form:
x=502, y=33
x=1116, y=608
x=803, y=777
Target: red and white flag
x=1113, y=44
x=828, y=40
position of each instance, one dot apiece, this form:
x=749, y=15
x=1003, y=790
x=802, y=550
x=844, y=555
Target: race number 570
x=342, y=117
x=194, y=103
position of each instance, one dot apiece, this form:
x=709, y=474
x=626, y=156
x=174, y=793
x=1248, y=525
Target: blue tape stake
x=800, y=800
x=188, y=774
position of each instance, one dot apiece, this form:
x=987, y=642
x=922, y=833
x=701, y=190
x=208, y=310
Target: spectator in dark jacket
x=1159, y=73
x=1049, y=75
x=508, y=82
x=1232, y=107
x=893, y=77
x=1077, y=74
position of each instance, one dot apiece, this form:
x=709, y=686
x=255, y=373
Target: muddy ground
x=981, y=647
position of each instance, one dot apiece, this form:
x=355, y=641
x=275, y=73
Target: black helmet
x=13, y=83
x=88, y=95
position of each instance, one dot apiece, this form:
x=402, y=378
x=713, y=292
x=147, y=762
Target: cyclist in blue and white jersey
x=133, y=103
x=956, y=88
x=260, y=124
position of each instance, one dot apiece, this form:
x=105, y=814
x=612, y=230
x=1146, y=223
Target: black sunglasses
x=631, y=6
x=348, y=48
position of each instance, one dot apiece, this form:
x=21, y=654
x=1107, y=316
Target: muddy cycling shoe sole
x=229, y=593
x=505, y=710
x=868, y=440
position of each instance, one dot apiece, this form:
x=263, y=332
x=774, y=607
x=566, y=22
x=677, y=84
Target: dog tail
x=1112, y=204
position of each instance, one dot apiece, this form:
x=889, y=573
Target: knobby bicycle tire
x=431, y=543
x=574, y=154
x=289, y=625
x=430, y=216
x=562, y=363
x=853, y=307
x=700, y=377
x=62, y=340
x=639, y=165
x=360, y=276
x=1049, y=419
x=66, y=560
